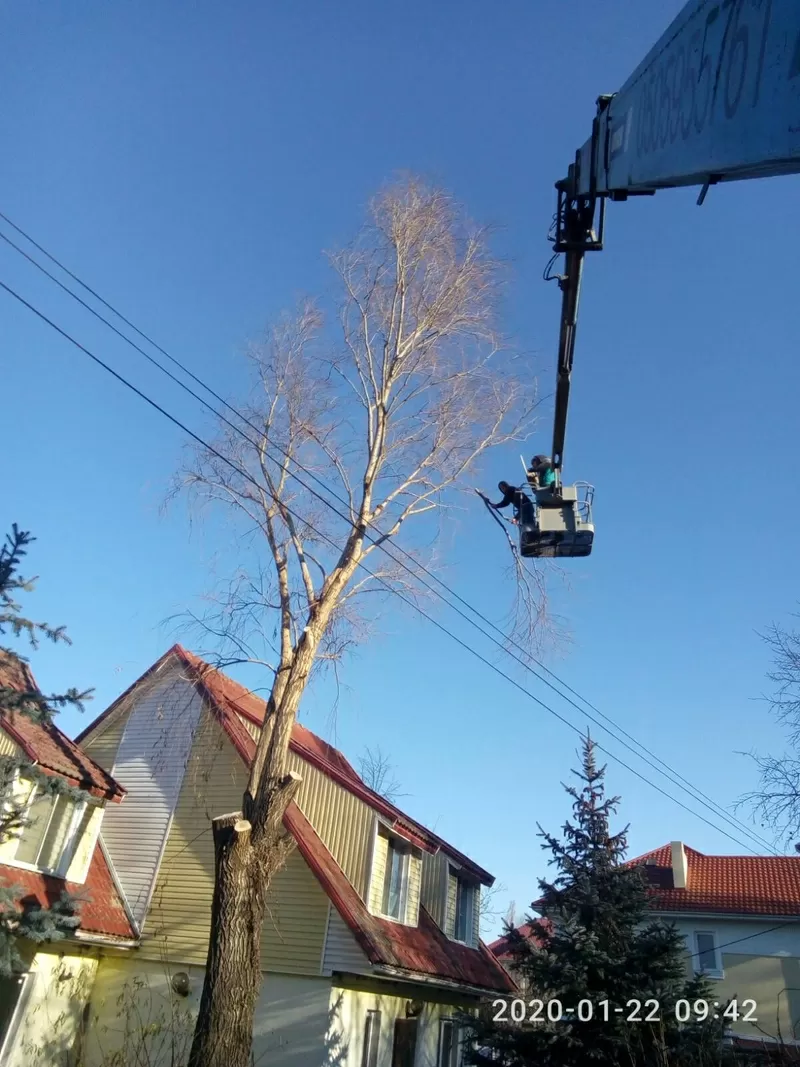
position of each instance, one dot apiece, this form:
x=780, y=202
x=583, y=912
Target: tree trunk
x=249, y=850
x=224, y=1032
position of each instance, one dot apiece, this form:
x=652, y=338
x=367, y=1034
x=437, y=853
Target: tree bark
x=244, y=864
x=224, y=1032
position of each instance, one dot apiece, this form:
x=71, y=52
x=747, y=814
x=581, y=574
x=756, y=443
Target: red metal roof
x=233, y=701
x=729, y=885
x=502, y=947
x=101, y=910
x=422, y=949
x=715, y=885
x=45, y=745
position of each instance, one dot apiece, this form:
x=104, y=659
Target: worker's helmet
x=503, y=487
x=541, y=461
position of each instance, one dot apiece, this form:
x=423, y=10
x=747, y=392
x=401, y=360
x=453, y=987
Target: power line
x=407, y=600
x=663, y=768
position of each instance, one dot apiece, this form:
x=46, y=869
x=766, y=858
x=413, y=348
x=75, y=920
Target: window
x=11, y=988
x=52, y=829
x=449, y=1044
x=706, y=958
x=395, y=883
x=372, y=1034
x=465, y=911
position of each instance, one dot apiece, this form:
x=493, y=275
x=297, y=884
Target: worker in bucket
x=542, y=477
x=523, y=505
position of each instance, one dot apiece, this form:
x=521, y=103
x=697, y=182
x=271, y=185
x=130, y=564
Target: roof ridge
x=348, y=777
x=343, y=773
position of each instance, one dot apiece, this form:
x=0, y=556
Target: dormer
x=451, y=893
x=60, y=830
x=462, y=913
x=58, y=835
x=396, y=876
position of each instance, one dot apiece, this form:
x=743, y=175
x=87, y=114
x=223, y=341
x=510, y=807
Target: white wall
x=150, y=764
x=784, y=941
x=348, y=1016
x=51, y=1008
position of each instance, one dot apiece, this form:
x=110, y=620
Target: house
x=371, y=944
x=40, y=1009
x=740, y=916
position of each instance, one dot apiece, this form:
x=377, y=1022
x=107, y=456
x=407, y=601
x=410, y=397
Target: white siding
x=342, y=952
x=150, y=764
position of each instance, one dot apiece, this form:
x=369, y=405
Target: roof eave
x=747, y=916
x=93, y=937
x=402, y=974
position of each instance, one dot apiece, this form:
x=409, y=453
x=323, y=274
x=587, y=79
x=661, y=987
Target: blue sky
x=193, y=161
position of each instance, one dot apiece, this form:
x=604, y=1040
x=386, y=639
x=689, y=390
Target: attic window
x=465, y=906
x=53, y=827
x=395, y=883
x=462, y=909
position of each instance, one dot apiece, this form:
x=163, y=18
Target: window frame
x=372, y=1038
x=67, y=853
x=456, y=1042
x=718, y=970
x=464, y=888
x=396, y=846
x=7, y=1039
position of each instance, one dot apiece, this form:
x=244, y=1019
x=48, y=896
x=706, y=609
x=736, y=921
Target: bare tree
x=392, y=420
x=377, y=771
x=777, y=800
x=489, y=905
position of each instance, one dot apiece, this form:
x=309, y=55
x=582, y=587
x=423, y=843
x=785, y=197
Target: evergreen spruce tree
x=599, y=944
x=19, y=696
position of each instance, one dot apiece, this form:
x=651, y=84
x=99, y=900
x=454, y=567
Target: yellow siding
x=476, y=917
x=343, y=822
x=135, y=1018
x=450, y=917
x=8, y=747
x=414, y=877
x=177, y=925
x=20, y=791
x=773, y=982
x=379, y=858
x=102, y=743
x=252, y=729
x=79, y=864
x=434, y=874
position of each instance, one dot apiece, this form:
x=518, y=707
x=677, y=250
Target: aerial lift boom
x=716, y=99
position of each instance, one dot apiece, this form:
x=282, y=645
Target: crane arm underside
x=716, y=99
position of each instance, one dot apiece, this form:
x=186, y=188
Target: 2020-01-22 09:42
x=634, y=1011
